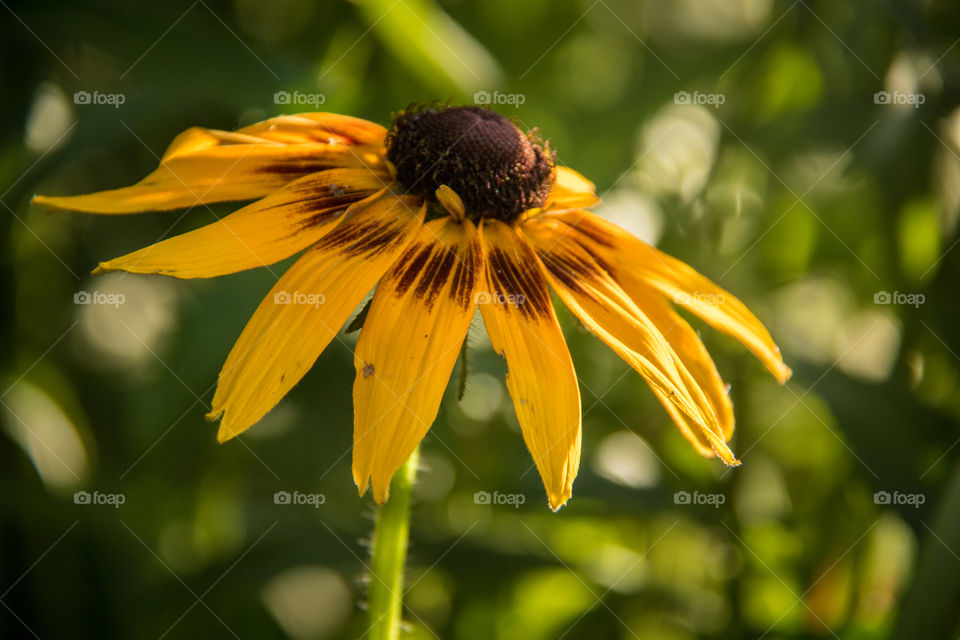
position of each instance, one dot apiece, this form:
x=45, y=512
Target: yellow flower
x=451, y=209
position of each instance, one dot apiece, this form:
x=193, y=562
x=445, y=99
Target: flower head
x=450, y=209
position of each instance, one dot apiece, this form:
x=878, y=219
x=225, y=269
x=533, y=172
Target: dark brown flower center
x=496, y=169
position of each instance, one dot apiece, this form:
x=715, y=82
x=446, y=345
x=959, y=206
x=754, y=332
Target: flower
x=450, y=209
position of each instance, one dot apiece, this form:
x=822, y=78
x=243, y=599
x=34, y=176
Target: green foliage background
x=799, y=193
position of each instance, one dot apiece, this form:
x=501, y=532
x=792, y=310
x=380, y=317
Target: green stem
x=391, y=531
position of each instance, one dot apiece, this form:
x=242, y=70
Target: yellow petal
x=519, y=318
x=691, y=351
x=262, y=233
x=306, y=308
x=634, y=261
x=696, y=359
x=318, y=127
x=450, y=200
x=204, y=166
x=197, y=139
x=570, y=190
x=594, y=297
x=408, y=346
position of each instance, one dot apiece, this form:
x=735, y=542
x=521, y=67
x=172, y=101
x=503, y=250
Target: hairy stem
x=391, y=532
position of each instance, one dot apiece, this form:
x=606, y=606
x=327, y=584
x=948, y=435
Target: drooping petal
x=695, y=357
x=260, y=234
x=318, y=127
x=570, y=190
x=408, y=346
x=635, y=262
x=594, y=297
x=519, y=318
x=205, y=165
x=306, y=308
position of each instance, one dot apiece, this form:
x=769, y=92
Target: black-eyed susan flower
x=450, y=209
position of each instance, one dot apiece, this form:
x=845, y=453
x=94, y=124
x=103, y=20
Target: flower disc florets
x=496, y=169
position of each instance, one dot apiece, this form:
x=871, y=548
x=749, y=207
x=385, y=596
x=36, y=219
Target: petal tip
x=730, y=460
x=48, y=202
x=723, y=452
x=557, y=501
x=362, y=481
x=381, y=493
x=784, y=374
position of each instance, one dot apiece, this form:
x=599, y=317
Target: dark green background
x=799, y=193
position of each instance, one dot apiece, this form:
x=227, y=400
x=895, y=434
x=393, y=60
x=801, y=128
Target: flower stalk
x=391, y=533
